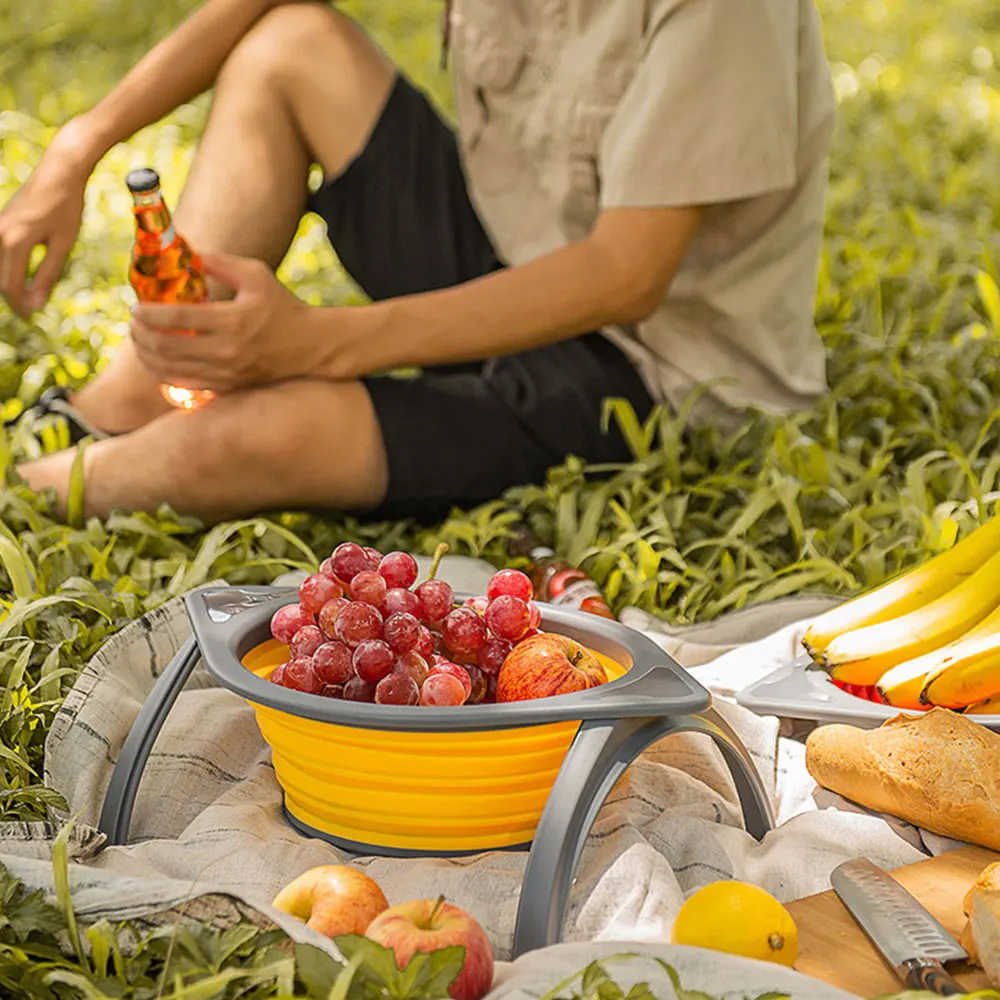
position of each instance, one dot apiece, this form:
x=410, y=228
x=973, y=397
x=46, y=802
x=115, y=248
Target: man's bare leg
x=305, y=85
x=298, y=444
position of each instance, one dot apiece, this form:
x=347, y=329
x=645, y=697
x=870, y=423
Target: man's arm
x=618, y=274
x=175, y=71
x=47, y=209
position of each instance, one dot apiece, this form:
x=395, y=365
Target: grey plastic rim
x=230, y=621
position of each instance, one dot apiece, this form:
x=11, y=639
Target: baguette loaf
x=939, y=771
x=984, y=923
x=988, y=882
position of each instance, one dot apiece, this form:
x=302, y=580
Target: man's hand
x=259, y=336
x=46, y=211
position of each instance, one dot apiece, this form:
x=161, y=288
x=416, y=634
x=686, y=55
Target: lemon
x=738, y=918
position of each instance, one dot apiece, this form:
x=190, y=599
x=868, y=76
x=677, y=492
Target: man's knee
x=279, y=44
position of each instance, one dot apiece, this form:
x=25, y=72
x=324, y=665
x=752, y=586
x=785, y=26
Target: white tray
x=796, y=692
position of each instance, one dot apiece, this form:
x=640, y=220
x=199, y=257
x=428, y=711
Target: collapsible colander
x=420, y=781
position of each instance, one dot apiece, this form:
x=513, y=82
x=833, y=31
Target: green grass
x=897, y=461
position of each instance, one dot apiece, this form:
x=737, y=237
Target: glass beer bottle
x=555, y=580
x=164, y=268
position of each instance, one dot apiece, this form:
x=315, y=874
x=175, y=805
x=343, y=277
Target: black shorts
x=401, y=222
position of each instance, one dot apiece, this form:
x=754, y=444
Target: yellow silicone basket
x=395, y=780
x=442, y=792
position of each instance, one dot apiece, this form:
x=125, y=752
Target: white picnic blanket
x=208, y=837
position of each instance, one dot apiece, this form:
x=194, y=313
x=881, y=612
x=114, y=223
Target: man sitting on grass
x=632, y=205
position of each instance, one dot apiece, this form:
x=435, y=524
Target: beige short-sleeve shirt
x=566, y=107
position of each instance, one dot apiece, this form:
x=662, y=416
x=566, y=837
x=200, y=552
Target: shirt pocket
x=493, y=44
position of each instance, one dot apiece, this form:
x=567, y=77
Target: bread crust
x=937, y=770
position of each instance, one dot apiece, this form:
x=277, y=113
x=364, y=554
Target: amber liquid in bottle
x=164, y=268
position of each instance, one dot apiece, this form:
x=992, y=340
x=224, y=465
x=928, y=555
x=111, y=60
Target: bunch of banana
x=929, y=637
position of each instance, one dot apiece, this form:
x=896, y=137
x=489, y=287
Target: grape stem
x=438, y=555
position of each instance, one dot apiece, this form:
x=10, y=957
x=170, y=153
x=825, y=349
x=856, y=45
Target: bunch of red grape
x=363, y=632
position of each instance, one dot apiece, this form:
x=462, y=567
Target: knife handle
x=929, y=974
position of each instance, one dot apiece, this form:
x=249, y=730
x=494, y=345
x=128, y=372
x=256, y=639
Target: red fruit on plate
x=425, y=644
x=368, y=586
x=286, y=621
x=426, y=925
x=397, y=599
x=333, y=691
x=530, y=634
x=534, y=615
x=327, y=617
x=357, y=622
x=358, y=690
x=413, y=665
x=548, y=664
x=397, y=689
x=456, y=671
x=478, y=604
x=326, y=568
x=316, y=590
x=348, y=560
x=334, y=663
x=477, y=694
x=402, y=632
x=372, y=660
x=490, y=658
x=507, y=617
x=442, y=689
x=399, y=569
x=306, y=641
x=333, y=900
x=463, y=631
x=511, y=582
x=436, y=598
x=278, y=674
x=374, y=558
x=301, y=675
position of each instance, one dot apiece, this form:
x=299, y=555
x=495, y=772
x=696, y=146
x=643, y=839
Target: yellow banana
x=864, y=655
x=903, y=594
x=965, y=679
x=989, y=707
x=902, y=685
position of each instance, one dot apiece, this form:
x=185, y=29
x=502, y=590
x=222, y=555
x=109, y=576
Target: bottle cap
x=139, y=181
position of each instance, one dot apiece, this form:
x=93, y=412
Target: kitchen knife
x=909, y=938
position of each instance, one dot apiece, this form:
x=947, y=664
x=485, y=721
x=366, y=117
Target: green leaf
x=989, y=296
x=60, y=876
x=75, y=499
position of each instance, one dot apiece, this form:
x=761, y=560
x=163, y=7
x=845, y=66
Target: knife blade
x=910, y=939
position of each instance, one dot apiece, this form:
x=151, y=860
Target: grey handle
x=119, y=799
x=599, y=756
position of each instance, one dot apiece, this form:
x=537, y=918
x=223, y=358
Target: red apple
x=333, y=899
x=548, y=664
x=425, y=925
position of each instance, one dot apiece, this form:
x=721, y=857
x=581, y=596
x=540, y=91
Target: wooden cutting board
x=832, y=947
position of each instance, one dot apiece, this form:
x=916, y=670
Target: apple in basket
x=548, y=664
x=425, y=925
x=333, y=900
